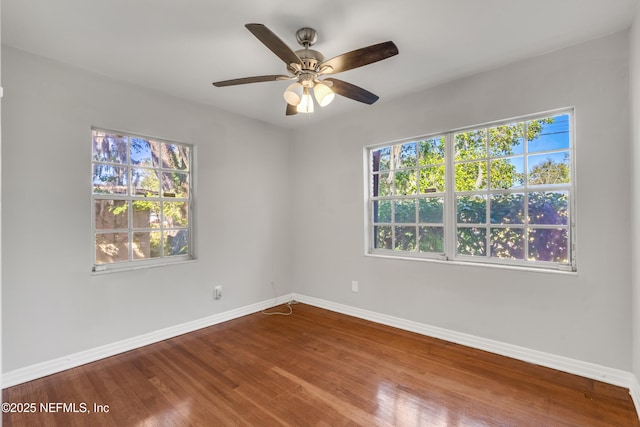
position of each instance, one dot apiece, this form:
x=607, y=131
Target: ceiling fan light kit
x=306, y=66
x=293, y=94
x=324, y=94
x=306, y=103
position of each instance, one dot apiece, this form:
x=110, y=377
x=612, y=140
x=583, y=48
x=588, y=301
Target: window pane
x=384, y=186
x=381, y=159
x=472, y=241
x=144, y=152
x=549, y=208
x=471, y=176
x=405, y=211
x=112, y=247
x=111, y=214
x=109, y=180
x=550, y=168
x=146, y=214
x=382, y=237
x=507, y=209
x=432, y=179
x=146, y=245
x=431, y=210
x=507, y=173
x=109, y=147
x=549, y=244
x=431, y=239
x=506, y=140
x=471, y=209
x=431, y=151
x=145, y=182
x=405, y=239
x=507, y=243
x=405, y=182
x=381, y=211
x=406, y=155
x=176, y=214
x=176, y=242
x=175, y=156
x=175, y=184
x=550, y=133
x=471, y=145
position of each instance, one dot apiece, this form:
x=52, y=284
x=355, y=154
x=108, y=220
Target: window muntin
x=142, y=197
x=500, y=193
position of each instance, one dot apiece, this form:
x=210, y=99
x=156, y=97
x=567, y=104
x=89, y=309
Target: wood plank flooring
x=315, y=368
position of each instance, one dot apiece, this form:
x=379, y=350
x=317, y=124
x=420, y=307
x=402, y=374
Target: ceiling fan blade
x=274, y=43
x=245, y=80
x=292, y=110
x=352, y=91
x=359, y=57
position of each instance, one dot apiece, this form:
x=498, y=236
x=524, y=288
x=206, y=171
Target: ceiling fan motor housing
x=310, y=59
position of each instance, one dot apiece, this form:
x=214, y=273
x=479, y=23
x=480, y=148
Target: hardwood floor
x=315, y=368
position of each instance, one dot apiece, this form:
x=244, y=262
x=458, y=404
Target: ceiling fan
x=307, y=66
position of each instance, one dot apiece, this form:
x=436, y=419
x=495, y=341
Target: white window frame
x=131, y=263
x=450, y=225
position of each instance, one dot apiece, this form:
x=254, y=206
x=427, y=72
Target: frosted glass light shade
x=324, y=94
x=306, y=103
x=293, y=94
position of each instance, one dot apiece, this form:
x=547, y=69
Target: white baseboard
x=577, y=367
x=634, y=390
x=49, y=367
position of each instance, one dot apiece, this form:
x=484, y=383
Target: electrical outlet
x=354, y=286
x=217, y=292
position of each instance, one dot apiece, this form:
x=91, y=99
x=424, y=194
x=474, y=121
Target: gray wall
x=586, y=316
x=52, y=305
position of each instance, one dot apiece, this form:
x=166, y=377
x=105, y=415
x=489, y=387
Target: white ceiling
x=181, y=47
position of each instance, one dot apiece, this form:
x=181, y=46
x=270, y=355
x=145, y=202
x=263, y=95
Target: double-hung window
x=141, y=200
x=501, y=193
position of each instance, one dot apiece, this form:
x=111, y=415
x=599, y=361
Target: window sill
x=458, y=263
x=141, y=266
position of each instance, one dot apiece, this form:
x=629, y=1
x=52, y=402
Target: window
x=500, y=193
x=141, y=198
